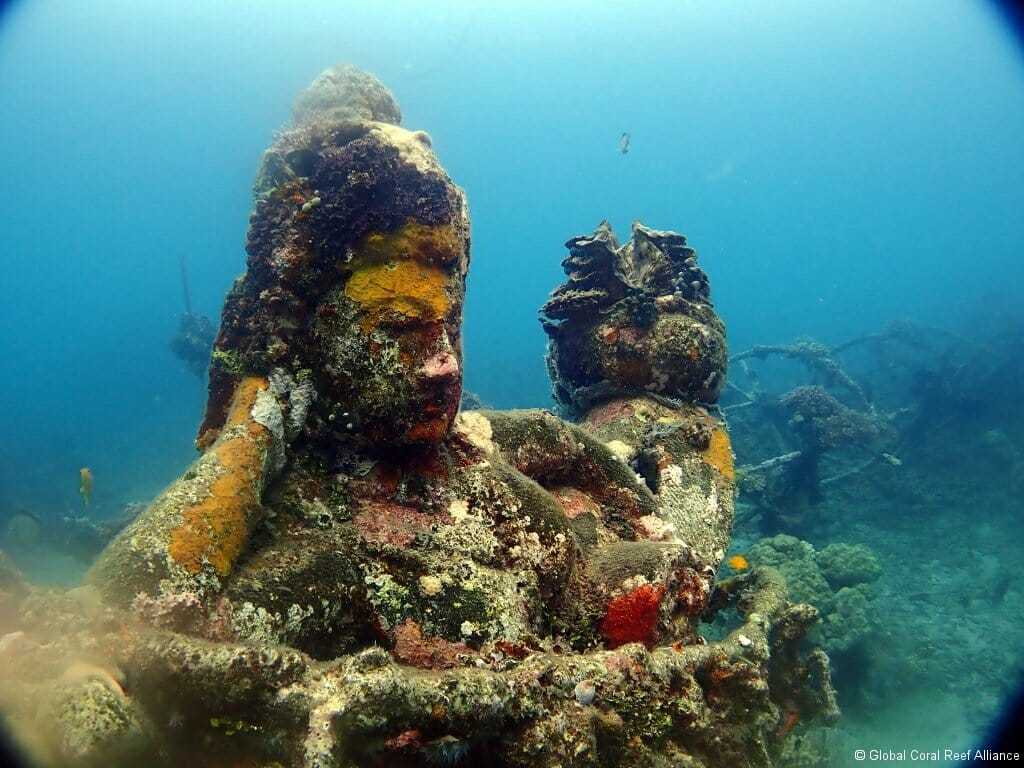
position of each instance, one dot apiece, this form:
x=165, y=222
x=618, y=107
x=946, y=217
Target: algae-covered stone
x=845, y=565
x=853, y=618
x=345, y=92
x=306, y=589
x=94, y=724
x=848, y=613
x=193, y=534
x=633, y=318
x=795, y=559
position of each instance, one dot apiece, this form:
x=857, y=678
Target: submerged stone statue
x=355, y=574
x=638, y=354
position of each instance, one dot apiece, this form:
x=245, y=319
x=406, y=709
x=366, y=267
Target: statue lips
x=440, y=378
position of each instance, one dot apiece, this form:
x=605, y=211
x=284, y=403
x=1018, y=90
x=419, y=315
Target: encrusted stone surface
x=633, y=318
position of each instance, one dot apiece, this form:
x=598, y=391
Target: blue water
x=836, y=166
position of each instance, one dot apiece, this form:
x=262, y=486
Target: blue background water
x=835, y=168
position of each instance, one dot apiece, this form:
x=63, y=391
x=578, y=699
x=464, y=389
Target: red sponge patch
x=633, y=617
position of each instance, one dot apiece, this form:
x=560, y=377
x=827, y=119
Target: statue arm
x=194, y=532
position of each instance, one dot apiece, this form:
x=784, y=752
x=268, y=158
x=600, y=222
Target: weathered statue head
x=633, y=319
x=358, y=250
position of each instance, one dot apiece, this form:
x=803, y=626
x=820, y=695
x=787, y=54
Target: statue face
x=397, y=354
x=677, y=355
x=674, y=354
x=358, y=250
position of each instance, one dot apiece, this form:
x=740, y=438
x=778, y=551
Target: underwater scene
x=524, y=384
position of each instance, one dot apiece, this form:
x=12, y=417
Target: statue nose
x=440, y=367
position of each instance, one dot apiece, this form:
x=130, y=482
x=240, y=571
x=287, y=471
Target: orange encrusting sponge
x=719, y=454
x=215, y=530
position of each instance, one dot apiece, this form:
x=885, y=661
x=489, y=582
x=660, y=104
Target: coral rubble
x=835, y=579
x=355, y=574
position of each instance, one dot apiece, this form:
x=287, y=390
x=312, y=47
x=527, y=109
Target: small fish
x=85, y=484
x=738, y=563
x=624, y=143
